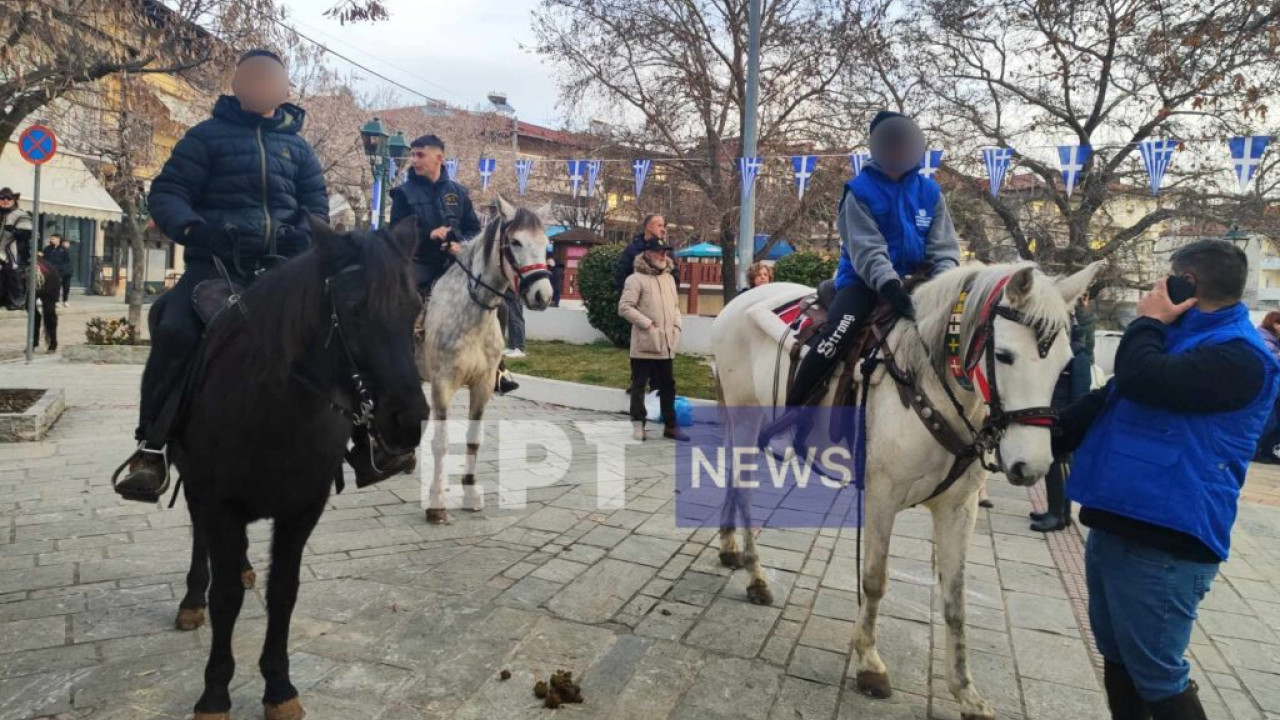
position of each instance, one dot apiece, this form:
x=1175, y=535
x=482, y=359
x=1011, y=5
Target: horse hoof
x=730, y=559
x=248, y=578
x=189, y=618
x=874, y=684
x=759, y=593
x=290, y=709
x=437, y=516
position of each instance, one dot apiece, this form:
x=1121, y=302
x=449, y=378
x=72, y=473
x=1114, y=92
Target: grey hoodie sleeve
x=864, y=244
x=942, y=246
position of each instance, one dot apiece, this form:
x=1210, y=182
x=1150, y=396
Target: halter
x=506, y=256
x=969, y=375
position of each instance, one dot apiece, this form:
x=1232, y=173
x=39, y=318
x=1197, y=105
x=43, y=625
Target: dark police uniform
x=443, y=203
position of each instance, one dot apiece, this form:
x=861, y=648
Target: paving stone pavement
x=397, y=619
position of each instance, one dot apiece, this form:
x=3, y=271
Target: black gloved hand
x=292, y=240
x=898, y=299
x=214, y=238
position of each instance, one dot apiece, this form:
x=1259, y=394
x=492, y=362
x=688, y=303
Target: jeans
x=658, y=374
x=1142, y=605
x=515, y=324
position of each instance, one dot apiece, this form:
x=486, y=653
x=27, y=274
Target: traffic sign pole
x=34, y=270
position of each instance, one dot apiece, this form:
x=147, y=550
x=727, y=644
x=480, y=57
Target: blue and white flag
x=749, y=167
x=451, y=165
x=1072, y=159
x=997, y=160
x=523, y=168
x=857, y=160
x=375, y=205
x=593, y=175
x=932, y=161
x=803, y=166
x=486, y=167
x=641, y=170
x=577, y=171
x=1246, y=155
x=1156, y=156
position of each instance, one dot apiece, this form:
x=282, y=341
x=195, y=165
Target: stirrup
x=164, y=486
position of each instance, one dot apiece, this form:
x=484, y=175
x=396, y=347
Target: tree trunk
x=136, y=240
x=729, y=256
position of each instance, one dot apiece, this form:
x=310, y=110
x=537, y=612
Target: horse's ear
x=327, y=241
x=505, y=210
x=405, y=234
x=1018, y=289
x=1073, y=286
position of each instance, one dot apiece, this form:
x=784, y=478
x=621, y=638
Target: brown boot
x=147, y=477
x=673, y=432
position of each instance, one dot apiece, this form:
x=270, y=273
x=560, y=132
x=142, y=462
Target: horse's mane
x=1045, y=310
x=287, y=309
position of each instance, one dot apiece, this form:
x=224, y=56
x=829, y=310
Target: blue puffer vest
x=1177, y=470
x=903, y=210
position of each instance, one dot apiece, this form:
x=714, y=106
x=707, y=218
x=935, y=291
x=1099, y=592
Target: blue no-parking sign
x=37, y=144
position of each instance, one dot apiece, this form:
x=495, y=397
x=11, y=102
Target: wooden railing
x=694, y=277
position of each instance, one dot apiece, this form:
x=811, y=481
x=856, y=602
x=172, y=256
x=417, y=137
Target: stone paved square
x=397, y=619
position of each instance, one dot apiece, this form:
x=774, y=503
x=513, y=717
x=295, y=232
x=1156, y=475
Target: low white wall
x=570, y=325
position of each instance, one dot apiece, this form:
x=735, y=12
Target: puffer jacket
x=651, y=303
x=246, y=173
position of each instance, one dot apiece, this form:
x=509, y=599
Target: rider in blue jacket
x=892, y=219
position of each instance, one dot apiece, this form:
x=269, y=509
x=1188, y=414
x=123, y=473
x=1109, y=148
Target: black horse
x=313, y=348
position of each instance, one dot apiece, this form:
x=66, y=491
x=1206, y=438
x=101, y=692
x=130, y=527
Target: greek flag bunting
x=1156, y=156
x=593, y=175
x=486, y=167
x=932, y=161
x=1072, y=158
x=375, y=205
x=803, y=167
x=749, y=167
x=523, y=168
x=641, y=170
x=857, y=160
x=997, y=161
x=1246, y=155
x=577, y=168
x=451, y=166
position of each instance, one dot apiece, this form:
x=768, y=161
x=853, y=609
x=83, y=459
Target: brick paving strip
x=1067, y=549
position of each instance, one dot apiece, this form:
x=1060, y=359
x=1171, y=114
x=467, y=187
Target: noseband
x=520, y=274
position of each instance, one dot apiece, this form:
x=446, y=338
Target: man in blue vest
x=1162, y=454
x=892, y=219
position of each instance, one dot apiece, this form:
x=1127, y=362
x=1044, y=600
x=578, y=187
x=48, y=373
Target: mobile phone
x=1180, y=289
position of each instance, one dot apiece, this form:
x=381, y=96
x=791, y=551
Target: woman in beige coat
x=651, y=303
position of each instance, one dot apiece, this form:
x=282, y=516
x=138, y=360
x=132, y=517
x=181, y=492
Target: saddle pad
x=794, y=311
x=212, y=297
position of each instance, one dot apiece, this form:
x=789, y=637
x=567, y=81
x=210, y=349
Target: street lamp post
x=747, y=214
x=376, y=141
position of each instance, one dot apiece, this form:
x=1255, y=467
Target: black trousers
x=176, y=330
x=658, y=375
x=425, y=276
x=66, y=286
x=830, y=344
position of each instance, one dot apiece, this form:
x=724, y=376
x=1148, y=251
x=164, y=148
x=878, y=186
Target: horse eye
x=1004, y=356
x=517, y=243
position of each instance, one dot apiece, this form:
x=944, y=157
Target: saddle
x=213, y=296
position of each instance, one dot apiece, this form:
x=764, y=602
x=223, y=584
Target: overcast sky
x=454, y=50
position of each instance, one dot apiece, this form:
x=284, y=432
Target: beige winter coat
x=651, y=303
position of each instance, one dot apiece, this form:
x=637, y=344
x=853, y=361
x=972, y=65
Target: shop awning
x=66, y=187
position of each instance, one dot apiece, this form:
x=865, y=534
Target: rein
x=506, y=256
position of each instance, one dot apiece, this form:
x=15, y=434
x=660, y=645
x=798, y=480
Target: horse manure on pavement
x=561, y=689
x=504, y=675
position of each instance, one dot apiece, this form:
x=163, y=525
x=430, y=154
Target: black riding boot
x=812, y=372
x=1183, y=706
x=372, y=463
x=1122, y=695
x=1058, y=514
x=505, y=382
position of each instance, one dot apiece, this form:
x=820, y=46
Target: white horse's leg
x=472, y=495
x=952, y=525
x=879, y=514
x=729, y=556
x=441, y=395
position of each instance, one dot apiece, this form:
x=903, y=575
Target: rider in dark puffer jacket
x=232, y=192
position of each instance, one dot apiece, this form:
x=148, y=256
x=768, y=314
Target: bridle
x=520, y=274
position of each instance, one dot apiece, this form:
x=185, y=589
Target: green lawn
x=603, y=364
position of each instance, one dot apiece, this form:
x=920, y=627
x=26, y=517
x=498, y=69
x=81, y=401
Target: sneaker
x=147, y=477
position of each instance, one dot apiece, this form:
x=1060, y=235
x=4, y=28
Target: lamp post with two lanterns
x=385, y=152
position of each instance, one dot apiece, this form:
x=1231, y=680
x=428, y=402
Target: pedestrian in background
x=58, y=255
x=1073, y=385
x=1160, y=457
x=651, y=303
x=1269, y=329
x=652, y=227
x=557, y=280
x=759, y=274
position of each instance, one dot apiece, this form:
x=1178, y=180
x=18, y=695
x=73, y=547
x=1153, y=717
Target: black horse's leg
x=287, y=541
x=225, y=531
x=191, y=609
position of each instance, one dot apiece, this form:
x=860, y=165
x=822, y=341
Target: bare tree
x=674, y=73
x=52, y=48
x=1110, y=73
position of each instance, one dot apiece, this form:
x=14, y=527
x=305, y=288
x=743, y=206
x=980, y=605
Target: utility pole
x=747, y=214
